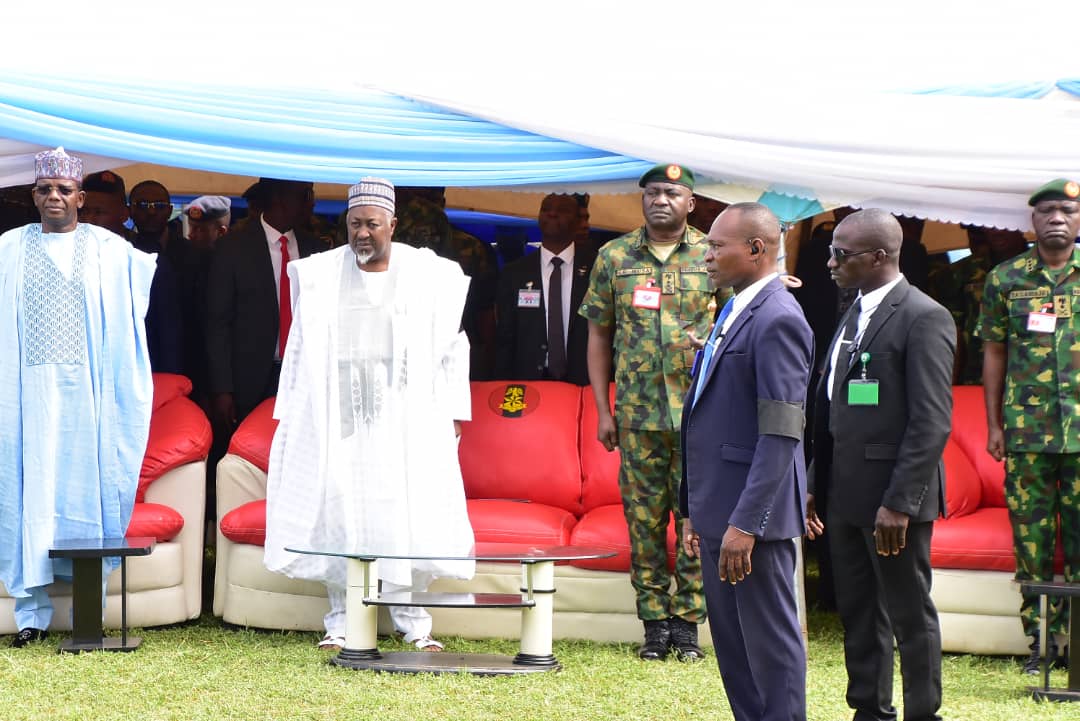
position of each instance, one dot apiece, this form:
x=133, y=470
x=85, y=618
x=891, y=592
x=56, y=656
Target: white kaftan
x=364, y=459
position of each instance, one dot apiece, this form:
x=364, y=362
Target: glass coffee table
x=536, y=601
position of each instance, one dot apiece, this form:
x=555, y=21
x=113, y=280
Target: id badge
x=1040, y=322
x=647, y=297
x=528, y=299
x=862, y=392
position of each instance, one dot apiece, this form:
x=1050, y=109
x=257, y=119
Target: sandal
x=332, y=643
x=427, y=643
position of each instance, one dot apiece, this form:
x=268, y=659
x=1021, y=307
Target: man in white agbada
x=374, y=382
x=75, y=388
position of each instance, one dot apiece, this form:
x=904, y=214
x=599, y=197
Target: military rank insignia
x=1063, y=306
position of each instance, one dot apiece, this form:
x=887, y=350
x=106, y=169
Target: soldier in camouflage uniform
x=959, y=287
x=1030, y=327
x=422, y=223
x=648, y=291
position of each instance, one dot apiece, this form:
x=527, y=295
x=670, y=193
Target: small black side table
x=1044, y=692
x=86, y=590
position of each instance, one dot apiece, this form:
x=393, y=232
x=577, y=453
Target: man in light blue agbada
x=75, y=387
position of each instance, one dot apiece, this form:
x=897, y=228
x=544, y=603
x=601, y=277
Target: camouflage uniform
x=1041, y=411
x=653, y=359
x=959, y=287
x=423, y=224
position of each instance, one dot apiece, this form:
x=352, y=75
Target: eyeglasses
x=152, y=204
x=840, y=255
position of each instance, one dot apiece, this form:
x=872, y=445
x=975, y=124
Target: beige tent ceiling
x=611, y=211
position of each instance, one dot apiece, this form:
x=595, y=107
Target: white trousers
x=412, y=621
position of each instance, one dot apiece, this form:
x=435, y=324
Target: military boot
x=1033, y=664
x=657, y=641
x=684, y=639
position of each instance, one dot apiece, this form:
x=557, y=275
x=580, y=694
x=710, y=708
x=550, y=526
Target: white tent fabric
x=808, y=100
x=17, y=162
x=943, y=158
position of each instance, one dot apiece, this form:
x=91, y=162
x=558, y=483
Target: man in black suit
x=526, y=322
x=246, y=333
x=150, y=208
x=884, y=407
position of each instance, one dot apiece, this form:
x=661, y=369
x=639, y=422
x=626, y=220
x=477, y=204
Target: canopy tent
x=472, y=104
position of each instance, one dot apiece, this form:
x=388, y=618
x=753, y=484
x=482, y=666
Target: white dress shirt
x=273, y=240
x=742, y=299
x=868, y=304
x=567, y=273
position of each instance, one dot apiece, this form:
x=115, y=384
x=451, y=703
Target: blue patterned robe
x=75, y=396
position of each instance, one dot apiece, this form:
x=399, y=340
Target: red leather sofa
x=971, y=551
x=166, y=586
x=534, y=472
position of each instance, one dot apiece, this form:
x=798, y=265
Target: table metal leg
x=86, y=602
x=1074, y=646
x=538, y=582
x=1044, y=692
x=361, y=620
x=123, y=601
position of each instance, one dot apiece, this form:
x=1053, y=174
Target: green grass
x=204, y=671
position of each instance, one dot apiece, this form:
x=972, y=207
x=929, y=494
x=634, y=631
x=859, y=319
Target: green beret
x=665, y=173
x=1059, y=189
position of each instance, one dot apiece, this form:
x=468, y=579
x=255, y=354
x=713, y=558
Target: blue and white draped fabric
x=75, y=396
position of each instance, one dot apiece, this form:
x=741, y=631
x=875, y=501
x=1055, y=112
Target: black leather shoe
x=684, y=639
x=657, y=641
x=28, y=635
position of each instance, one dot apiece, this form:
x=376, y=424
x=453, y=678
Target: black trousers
x=880, y=598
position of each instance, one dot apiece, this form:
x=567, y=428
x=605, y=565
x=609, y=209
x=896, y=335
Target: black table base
x=86, y=590
x=1072, y=592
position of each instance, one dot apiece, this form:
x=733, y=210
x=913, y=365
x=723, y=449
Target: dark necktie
x=851, y=329
x=284, y=299
x=847, y=346
x=556, y=341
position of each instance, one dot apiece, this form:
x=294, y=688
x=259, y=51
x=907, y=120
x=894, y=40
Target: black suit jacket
x=889, y=454
x=242, y=314
x=521, y=333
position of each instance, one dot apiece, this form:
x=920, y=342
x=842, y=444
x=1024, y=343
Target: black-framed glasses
x=840, y=255
x=152, y=204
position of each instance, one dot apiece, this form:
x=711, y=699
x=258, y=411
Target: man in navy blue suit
x=744, y=479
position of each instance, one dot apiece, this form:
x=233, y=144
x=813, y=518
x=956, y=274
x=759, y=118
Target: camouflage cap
x=1057, y=189
x=668, y=173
